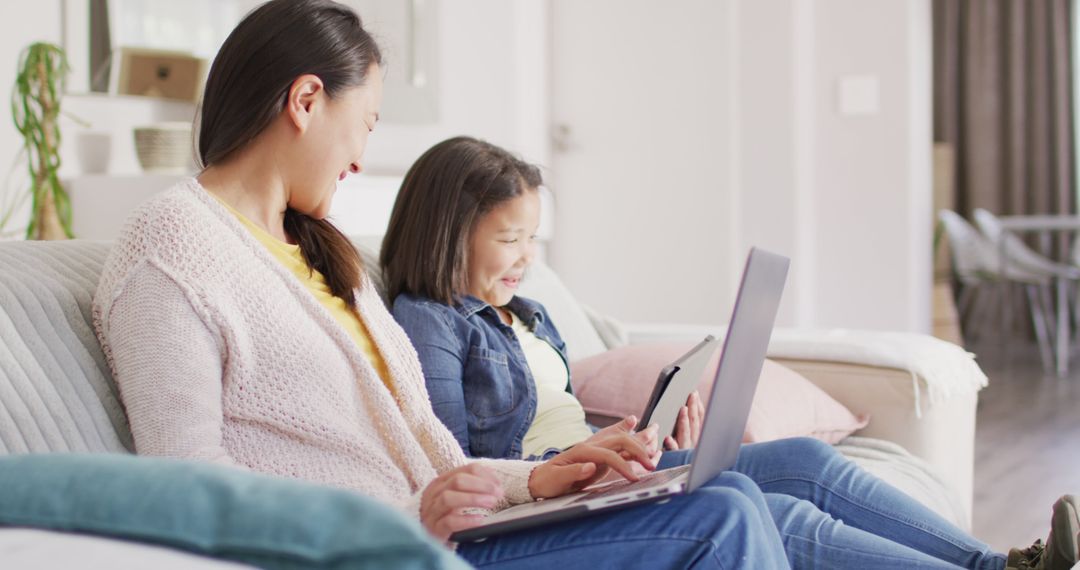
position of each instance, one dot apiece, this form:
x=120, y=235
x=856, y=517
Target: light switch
x=858, y=95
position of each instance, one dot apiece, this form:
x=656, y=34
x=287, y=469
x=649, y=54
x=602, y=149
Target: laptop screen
x=739, y=368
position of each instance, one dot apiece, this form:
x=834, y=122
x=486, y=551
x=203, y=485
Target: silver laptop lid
x=740, y=365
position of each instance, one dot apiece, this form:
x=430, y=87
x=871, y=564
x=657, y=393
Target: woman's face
x=334, y=144
x=502, y=246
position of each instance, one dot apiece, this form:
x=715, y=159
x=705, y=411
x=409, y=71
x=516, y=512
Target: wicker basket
x=165, y=147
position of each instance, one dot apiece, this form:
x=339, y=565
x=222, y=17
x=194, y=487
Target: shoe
x=1062, y=548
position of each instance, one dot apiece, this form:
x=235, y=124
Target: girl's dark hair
x=247, y=89
x=426, y=247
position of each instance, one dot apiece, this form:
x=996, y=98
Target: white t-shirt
x=560, y=419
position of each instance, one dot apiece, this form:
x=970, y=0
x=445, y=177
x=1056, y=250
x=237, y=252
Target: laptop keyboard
x=647, y=482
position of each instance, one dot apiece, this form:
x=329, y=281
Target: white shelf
x=362, y=205
x=101, y=203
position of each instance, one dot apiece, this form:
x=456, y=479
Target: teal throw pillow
x=214, y=511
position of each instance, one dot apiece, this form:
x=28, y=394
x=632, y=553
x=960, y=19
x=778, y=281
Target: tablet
x=675, y=384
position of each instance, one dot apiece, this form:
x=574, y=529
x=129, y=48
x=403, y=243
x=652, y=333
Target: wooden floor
x=1027, y=442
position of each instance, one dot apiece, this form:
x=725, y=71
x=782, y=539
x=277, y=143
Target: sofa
x=57, y=395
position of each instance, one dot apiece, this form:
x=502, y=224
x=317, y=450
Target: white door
x=641, y=164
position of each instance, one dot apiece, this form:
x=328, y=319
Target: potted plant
x=35, y=107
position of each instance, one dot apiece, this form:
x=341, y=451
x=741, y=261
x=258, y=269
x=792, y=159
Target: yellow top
x=290, y=256
x=560, y=419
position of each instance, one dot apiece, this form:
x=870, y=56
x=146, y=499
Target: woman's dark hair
x=247, y=89
x=426, y=247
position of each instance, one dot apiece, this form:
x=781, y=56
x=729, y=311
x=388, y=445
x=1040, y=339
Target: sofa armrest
x=942, y=434
x=937, y=425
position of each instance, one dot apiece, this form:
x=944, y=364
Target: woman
x=242, y=328
x=459, y=242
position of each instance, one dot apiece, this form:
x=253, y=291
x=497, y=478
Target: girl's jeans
x=832, y=514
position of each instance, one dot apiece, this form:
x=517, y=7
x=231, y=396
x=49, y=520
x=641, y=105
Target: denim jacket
x=477, y=377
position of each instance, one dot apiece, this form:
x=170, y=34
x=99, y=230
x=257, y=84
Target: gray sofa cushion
x=56, y=392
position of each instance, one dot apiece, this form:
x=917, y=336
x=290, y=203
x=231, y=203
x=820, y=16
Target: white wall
x=21, y=24
x=643, y=225
x=769, y=61
x=493, y=58
x=846, y=196
x=753, y=149
x=872, y=174
x=24, y=23
x=497, y=94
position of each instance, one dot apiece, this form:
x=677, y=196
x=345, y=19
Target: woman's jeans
x=724, y=524
x=832, y=514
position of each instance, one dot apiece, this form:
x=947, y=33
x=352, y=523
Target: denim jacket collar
x=490, y=400
x=527, y=310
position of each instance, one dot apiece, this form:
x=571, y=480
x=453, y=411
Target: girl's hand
x=471, y=486
x=588, y=462
x=625, y=425
x=648, y=436
x=688, y=426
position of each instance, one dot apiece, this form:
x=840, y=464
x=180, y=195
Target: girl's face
x=502, y=246
x=335, y=144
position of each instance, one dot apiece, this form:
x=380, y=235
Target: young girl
x=242, y=328
x=460, y=240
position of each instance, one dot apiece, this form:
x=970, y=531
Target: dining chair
x=1018, y=253
x=977, y=268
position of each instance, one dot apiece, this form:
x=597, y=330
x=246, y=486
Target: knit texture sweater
x=221, y=354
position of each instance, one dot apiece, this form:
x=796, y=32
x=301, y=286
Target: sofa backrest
x=541, y=284
x=56, y=391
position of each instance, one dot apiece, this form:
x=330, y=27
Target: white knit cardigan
x=221, y=354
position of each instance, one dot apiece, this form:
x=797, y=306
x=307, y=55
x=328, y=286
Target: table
x=1045, y=225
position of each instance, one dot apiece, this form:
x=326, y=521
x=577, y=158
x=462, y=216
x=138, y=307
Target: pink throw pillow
x=618, y=383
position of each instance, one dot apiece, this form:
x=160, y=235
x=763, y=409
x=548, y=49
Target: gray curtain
x=1003, y=100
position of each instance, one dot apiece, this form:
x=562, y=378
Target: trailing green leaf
x=35, y=108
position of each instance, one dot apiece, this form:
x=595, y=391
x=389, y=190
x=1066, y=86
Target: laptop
x=733, y=390
x=675, y=384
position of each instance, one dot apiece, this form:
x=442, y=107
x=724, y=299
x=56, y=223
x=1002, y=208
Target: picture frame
x=94, y=31
x=160, y=73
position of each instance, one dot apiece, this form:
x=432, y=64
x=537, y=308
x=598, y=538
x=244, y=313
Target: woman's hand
x=471, y=486
x=688, y=426
x=587, y=463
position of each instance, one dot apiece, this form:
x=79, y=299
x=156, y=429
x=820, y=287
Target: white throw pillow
x=543, y=285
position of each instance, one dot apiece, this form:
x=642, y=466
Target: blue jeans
x=724, y=524
x=832, y=514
